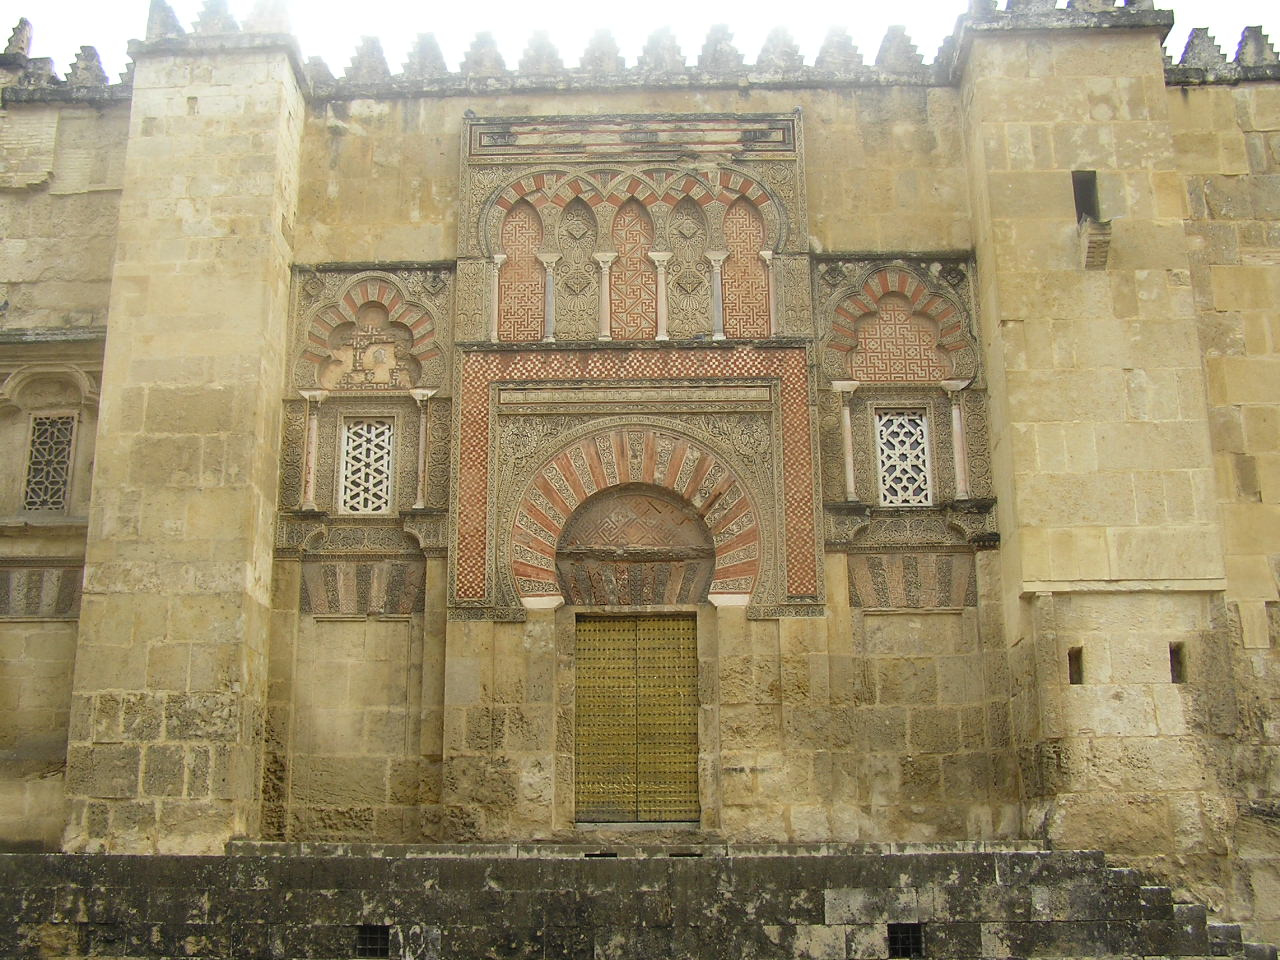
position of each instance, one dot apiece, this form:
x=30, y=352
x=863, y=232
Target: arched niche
x=895, y=328
x=522, y=278
x=641, y=458
x=371, y=338
x=635, y=545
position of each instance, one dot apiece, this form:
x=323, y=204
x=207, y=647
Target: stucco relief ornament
x=371, y=339
x=371, y=352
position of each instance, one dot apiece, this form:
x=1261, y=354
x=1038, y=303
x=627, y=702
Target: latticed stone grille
x=902, y=443
x=366, y=466
x=49, y=463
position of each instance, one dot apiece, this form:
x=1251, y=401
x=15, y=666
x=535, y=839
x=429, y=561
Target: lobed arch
x=369, y=307
x=623, y=457
x=606, y=189
x=935, y=343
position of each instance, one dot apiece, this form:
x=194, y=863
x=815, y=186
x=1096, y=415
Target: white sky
x=331, y=28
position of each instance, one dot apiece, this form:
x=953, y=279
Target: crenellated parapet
x=719, y=64
x=1203, y=61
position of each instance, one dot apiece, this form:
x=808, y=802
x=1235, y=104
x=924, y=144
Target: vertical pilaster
x=167, y=734
x=1109, y=545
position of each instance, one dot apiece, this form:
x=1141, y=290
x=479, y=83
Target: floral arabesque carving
x=369, y=334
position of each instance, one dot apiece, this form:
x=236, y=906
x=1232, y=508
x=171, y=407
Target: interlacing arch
x=610, y=187
x=635, y=455
x=895, y=327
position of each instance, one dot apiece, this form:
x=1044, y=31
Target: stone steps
x=599, y=902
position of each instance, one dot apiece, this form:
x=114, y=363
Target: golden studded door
x=636, y=749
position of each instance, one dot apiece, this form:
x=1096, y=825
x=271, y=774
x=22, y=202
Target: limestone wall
x=1227, y=148
x=59, y=201
x=884, y=166
x=178, y=566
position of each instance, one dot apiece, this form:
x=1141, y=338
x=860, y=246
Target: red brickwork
x=633, y=280
x=891, y=330
x=744, y=279
x=522, y=282
x=640, y=455
x=786, y=366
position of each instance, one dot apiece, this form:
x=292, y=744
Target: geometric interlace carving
x=903, y=446
x=49, y=463
x=633, y=280
x=366, y=466
x=523, y=278
x=895, y=345
x=746, y=282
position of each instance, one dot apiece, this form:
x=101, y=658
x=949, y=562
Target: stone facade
x=936, y=404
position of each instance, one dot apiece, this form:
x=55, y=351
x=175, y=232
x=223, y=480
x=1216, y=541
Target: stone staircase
x=585, y=902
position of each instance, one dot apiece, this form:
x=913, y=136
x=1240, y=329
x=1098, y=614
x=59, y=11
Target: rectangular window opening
x=902, y=448
x=1075, y=665
x=1177, y=663
x=49, y=463
x=1084, y=183
x=367, y=471
x=373, y=940
x=906, y=940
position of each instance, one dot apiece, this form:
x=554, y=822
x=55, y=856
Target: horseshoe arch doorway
x=636, y=671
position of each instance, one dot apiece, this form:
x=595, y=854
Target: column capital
x=845, y=386
x=717, y=257
x=549, y=260
x=659, y=259
x=314, y=396
x=955, y=386
x=605, y=259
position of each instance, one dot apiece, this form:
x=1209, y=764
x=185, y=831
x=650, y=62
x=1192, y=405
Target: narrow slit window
x=1084, y=183
x=902, y=448
x=1075, y=666
x=1177, y=663
x=49, y=463
x=367, y=447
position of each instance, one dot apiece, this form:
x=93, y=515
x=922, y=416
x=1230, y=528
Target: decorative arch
x=40, y=385
x=745, y=279
x=895, y=328
x=624, y=456
x=635, y=545
x=576, y=273
x=371, y=338
x=522, y=279
x=611, y=187
x=633, y=279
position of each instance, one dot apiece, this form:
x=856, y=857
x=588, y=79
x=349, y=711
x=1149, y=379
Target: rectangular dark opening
x=373, y=940
x=685, y=853
x=1084, y=183
x=1177, y=663
x=1075, y=665
x=601, y=855
x=906, y=940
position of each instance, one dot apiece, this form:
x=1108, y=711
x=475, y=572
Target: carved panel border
x=493, y=464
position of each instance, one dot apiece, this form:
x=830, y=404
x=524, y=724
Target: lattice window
x=902, y=445
x=49, y=463
x=366, y=466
